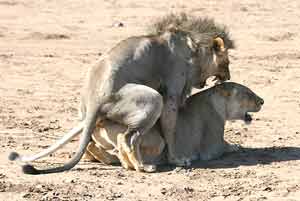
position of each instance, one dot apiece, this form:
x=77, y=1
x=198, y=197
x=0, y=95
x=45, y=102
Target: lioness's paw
x=181, y=162
x=233, y=148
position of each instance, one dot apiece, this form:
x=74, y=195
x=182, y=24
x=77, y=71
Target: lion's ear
x=191, y=44
x=172, y=28
x=218, y=44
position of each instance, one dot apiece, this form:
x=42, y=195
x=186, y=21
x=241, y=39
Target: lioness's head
x=239, y=101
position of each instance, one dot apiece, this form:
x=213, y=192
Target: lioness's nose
x=261, y=101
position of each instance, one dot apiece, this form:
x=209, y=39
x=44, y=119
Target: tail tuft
x=29, y=169
x=13, y=156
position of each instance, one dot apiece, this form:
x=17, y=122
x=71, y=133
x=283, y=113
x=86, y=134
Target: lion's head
x=209, y=42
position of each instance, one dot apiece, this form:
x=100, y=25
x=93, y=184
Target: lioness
x=199, y=129
x=139, y=80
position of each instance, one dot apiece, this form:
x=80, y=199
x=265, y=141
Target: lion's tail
x=88, y=129
x=14, y=156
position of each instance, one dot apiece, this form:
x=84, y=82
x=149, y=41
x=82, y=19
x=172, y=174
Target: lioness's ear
x=218, y=44
x=224, y=92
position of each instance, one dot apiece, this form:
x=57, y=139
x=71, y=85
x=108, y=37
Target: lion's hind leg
x=138, y=107
x=123, y=157
x=88, y=157
x=101, y=154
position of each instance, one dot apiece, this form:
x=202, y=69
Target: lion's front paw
x=149, y=168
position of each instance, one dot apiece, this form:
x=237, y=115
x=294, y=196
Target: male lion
x=199, y=129
x=141, y=79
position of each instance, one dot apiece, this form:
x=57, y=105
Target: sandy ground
x=46, y=47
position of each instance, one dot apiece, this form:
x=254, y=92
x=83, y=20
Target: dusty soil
x=46, y=47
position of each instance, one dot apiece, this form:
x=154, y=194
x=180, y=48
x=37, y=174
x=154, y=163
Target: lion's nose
x=224, y=77
x=227, y=75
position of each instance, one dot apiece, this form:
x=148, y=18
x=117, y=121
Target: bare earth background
x=46, y=47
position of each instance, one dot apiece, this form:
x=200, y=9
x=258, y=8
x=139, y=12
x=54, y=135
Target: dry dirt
x=46, y=47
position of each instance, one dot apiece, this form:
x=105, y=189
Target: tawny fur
x=141, y=79
x=200, y=126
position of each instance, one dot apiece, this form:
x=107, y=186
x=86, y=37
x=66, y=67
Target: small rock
x=87, y=195
x=26, y=195
x=25, y=124
x=163, y=191
x=49, y=55
x=237, y=133
x=114, y=196
x=118, y=24
x=72, y=181
x=269, y=189
x=244, y=9
x=43, y=129
x=117, y=195
x=178, y=169
x=188, y=189
x=2, y=176
x=31, y=189
x=54, y=125
x=120, y=174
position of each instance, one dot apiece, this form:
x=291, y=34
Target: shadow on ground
x=248, y=157
x=244, y=157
